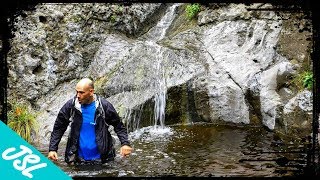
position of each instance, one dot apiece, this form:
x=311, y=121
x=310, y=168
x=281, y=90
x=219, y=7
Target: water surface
x=201, y=150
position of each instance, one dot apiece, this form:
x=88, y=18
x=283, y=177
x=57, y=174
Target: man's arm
x=119, y=128
x=60, y=126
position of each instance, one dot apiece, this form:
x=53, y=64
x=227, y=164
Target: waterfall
x=155, y=34
x=135, y=116
x=150, y=39
x=160, y=96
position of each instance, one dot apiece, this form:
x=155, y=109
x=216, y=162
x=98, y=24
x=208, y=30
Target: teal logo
x=20, y=160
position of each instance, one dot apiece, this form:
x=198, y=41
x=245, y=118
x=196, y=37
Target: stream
x=204, y=150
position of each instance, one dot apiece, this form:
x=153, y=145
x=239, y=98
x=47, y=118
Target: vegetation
x=307, y=80
x=192, y=10
x=116, y=11
x=22, y=120
x=113, y=18
x=304, y=80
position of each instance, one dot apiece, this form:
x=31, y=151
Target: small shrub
x=307, y=80
x=22, y=120
x=192, y=10
x=303, y=80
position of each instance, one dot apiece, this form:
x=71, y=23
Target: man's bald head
x=86, y=82
x=85, y=91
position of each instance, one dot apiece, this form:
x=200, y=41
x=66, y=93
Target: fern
x=192, y=10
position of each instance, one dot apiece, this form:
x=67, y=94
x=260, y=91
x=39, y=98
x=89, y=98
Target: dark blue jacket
x=105, y=115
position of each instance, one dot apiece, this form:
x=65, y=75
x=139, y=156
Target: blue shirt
x=88, y=148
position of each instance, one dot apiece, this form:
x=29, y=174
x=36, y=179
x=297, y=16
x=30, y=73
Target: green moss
x=99, y=83
x=192, y=10
x=76, y=19
x=114, y=70
x=113, y=18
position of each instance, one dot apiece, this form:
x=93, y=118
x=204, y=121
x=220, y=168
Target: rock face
x=230, y=65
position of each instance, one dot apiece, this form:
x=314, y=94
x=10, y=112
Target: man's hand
x=53, y=155
x=125, y=150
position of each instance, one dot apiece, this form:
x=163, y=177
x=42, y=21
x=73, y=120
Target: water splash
x=151, y=134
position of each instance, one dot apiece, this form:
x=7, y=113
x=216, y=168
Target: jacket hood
x=77, y=105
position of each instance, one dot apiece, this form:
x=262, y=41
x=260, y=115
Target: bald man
x=89, y=140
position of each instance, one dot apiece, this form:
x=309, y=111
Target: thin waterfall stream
x=157, y=33
x=150, y=40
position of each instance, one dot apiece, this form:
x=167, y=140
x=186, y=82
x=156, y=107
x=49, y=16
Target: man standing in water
x=89, y=139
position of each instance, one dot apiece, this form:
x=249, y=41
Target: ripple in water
x=197, y=150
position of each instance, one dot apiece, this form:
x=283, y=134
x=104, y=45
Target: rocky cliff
x=232, y=63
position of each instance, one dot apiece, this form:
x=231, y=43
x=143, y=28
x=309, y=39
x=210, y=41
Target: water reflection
x=201, y=150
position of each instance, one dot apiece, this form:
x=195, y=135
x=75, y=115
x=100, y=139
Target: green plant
x=303, y=80
x=119, y=9
x=22, y=120
x=307, y=79
x=113, y=18
x=192, y=10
